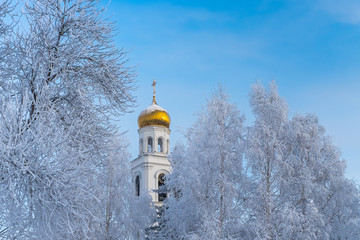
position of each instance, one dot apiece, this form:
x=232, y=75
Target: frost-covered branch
x=61, y=80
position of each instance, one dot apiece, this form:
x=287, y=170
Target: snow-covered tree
x=316, y=181
x=291, y=184
x=60, y=84
x=5, y=9
x=266, y=152
x=301, y=191
x=207, y=178
x=127, y=215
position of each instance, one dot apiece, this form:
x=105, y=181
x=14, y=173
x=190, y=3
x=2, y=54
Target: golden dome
x=154, y=115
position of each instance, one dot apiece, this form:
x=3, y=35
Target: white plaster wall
x=150, y=165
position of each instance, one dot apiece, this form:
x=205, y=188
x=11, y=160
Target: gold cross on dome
x=154, y=83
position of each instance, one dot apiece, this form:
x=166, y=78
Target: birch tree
x=327, y=202
x=207, y=175
x=5, y=10
x=61, y=84
x=127, y=215
x=266, y=151
x=290, y=185
x=301, y=191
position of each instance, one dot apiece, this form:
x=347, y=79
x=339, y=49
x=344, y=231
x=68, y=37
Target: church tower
x=152, y=165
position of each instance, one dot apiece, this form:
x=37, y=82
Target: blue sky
x=310, y=48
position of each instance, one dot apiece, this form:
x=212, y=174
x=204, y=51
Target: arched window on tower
x=137, y=186
x=160, y=145
x=141, y=146
x=162, y=191
x=150, y=145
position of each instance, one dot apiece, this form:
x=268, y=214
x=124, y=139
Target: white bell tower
x=152, y=165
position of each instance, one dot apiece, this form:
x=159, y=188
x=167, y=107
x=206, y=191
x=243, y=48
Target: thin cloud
x=346, y=11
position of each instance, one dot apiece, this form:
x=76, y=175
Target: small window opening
x=137, y=186
x=160, y=145
x=162, y=191
x=150, y=145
